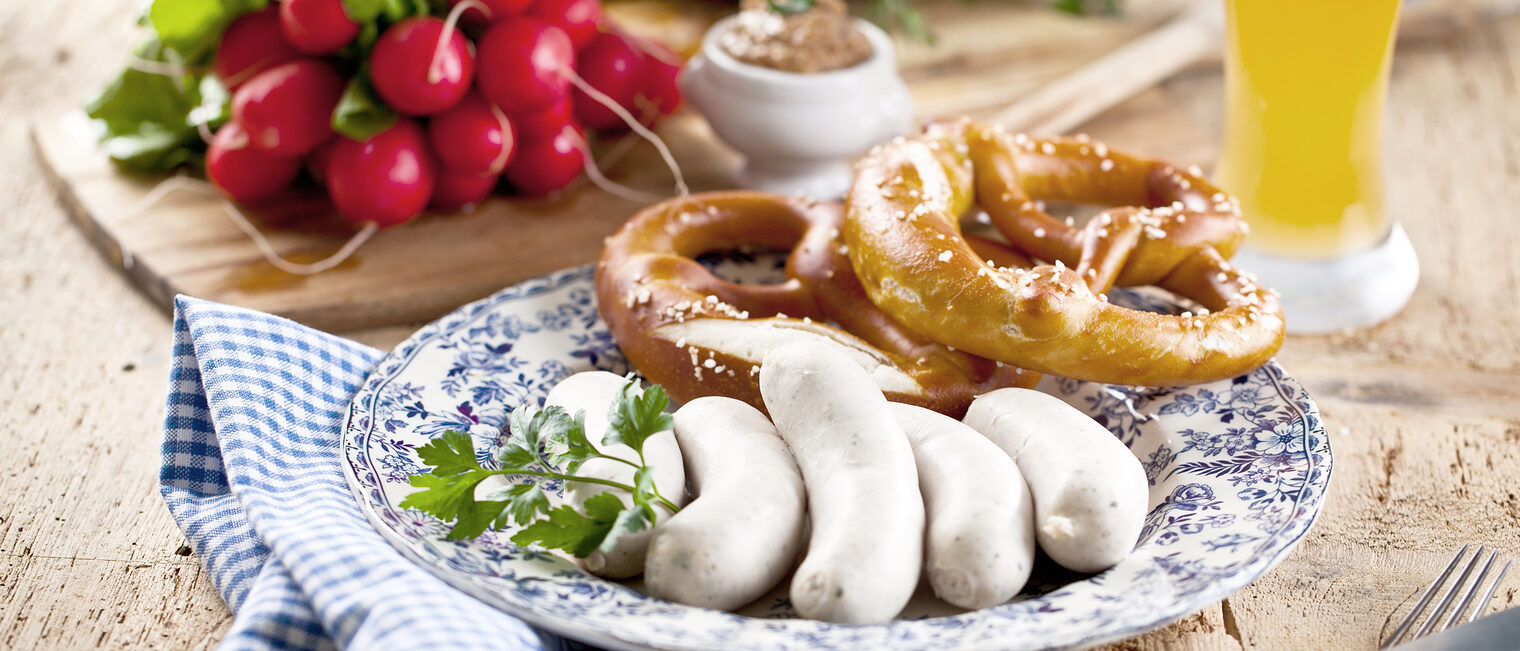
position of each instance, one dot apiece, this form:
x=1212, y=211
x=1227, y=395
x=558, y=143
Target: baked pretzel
x=906, y=246
x=699, y=335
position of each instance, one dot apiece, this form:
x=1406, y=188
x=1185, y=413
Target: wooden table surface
x=1423, y=411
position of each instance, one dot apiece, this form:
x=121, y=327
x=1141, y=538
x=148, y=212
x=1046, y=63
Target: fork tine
x=1419, y=606
x=1472, y=590
x=1483, y=603
x=1451, y=593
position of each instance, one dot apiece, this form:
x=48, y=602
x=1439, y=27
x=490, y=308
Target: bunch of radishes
x=466, y=101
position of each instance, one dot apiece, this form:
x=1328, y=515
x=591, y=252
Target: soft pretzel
x=699, y=335
x=905, y=243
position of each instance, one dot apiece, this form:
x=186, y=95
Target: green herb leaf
x=521, y=447
x=902, y=15
x=635, y=417
x=361, y=113
x=546, y=445
x=572, y=448
x=914, y=25
x=552, y=432
x=1084, y=7
x=556, y=425
x=512, y=457
x=524, y=501
x=604, y=507
x=790, y=6
x=643, y=486
x=628, y=521
x=447, y=497
x=453, y=452
x=194, y=27
x=448, y=492
x=567, y=529
x=475, y=518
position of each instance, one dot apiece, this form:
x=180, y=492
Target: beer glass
x=1305, y=85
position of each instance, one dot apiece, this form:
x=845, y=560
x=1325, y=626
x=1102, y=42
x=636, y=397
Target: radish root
x=204, y=131
x=659, y=54
x=594, y=172
x=670, y=161
x=165, y=68
x=247, y=73
x=297, y=268
x=182, y=183
x=500, y=162
x=435, y=73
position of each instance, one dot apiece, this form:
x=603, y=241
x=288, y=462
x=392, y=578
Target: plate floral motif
x=1237, y=468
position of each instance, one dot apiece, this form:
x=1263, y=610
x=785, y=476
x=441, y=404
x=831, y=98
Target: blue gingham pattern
x=251, y=473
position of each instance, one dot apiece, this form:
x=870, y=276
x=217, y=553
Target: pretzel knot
x=700, y=335
x=907, y=249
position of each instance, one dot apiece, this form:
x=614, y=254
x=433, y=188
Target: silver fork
x=1434, y=622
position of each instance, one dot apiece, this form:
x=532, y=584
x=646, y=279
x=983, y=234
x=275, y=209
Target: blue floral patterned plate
x=1238, y=470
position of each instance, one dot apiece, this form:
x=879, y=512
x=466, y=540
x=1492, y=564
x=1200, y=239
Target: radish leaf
x=192, y=28
x=147, y=117
x=360, y=113
x=364, y=11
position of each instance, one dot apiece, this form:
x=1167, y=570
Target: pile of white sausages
x=885, y=492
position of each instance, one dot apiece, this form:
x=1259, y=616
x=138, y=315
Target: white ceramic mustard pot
x=799, y=131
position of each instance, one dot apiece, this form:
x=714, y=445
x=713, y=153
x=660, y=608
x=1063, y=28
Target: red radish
x=612, y=65
x=287, y=109
x=317, y=26
x=661, y=67
x=543, y=123
x=500, y=10
x=319, y=160
x=473, y=137
x=418, y=68
x=543, y=166
x=578, y=18
x=520, y=63
x=244, y=173
x=386, y=179
x=455, y=191
x=251, y=44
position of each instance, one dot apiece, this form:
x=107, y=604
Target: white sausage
x=595, y=392
x=867, y=515
x=1089, y=491
x=980, y=543
x=742, y=532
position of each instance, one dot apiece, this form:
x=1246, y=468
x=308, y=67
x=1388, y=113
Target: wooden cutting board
x=988, y=55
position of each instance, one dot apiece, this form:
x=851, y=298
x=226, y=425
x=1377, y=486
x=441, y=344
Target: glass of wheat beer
x=1306, y=82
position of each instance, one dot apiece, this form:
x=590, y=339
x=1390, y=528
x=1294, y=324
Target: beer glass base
x=1353, y=291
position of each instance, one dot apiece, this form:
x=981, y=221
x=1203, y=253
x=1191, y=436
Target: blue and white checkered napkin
x=251, y=473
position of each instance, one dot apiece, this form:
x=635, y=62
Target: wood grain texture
x=1423, y=411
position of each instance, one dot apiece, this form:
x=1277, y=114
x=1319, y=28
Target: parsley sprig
x=545, y=446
